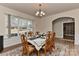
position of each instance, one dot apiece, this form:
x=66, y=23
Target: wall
x=45, y=24
x=58, y=29
x=58, y=26
x=3, y=11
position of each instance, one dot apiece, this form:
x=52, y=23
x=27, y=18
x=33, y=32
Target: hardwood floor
x=71, y=50
x=11, y=47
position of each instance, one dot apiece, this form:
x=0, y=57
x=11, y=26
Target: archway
x=64, y=27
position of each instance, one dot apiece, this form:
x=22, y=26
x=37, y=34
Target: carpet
x=58, y=51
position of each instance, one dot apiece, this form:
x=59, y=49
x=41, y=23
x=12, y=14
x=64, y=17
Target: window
x=22, y=25
x=15, y=25
x=29, y=25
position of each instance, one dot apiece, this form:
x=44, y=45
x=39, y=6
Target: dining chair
x=53, y=39
x=49, y=34
x=48, y=45
x=50, y=42
x=37, y=33
x=30, y=33
x=26, y=48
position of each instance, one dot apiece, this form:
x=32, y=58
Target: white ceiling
x=49, y=8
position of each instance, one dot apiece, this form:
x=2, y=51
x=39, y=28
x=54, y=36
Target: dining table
x=37, y=42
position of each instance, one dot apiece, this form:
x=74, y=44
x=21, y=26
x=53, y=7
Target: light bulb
x=43, y=13
x=40, y=13
x=37, y=13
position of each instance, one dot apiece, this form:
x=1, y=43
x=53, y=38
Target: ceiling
x=49, y=8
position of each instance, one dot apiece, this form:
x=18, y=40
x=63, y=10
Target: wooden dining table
x=37, y=43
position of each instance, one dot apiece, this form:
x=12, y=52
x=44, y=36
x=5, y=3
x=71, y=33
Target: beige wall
x=58, y=27
x=45, y=24
x=3, y=11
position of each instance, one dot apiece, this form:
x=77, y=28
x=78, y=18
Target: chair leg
x=50, y=50
x=22, y=54
x=27, y=53
x=45, y=52
x=38, y=53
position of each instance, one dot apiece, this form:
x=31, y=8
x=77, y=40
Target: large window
x=15, y=25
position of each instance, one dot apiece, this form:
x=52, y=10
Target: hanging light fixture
x=40, y=12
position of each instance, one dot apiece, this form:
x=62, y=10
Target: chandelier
x=40, y=12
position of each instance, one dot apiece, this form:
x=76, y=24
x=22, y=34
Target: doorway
x=69, y=30
x=64, y=27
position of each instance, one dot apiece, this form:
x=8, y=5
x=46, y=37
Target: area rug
x=58, y=51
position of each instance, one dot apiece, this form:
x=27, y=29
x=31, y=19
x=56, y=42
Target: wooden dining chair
x=50, y=42
x=48, y=45
x=37, y=33
x=30, y=33
x=52, y=38
x=26, y=48
x=49, y=34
